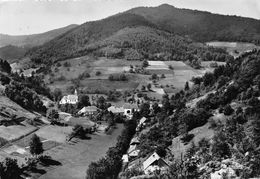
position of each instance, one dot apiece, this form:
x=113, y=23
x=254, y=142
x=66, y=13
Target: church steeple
x=76, y=93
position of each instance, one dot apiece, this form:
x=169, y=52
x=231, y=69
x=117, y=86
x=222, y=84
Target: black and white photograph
x=129, y=89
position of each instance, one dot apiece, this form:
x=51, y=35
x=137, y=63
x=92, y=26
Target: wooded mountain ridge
x=193, y=26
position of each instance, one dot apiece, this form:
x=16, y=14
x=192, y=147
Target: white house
x=89, y=110
x=153, y=163
x=129, y=109
x=125, y=158
x=70, y=99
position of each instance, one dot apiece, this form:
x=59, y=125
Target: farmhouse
x=70, y=99
x=153, y=163
x=116, y=110
x=129, y=109
x=89, y=110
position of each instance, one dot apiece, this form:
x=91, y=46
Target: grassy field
x=61, y=76
x=15, y=131
x=76, y=155
x=54, y=133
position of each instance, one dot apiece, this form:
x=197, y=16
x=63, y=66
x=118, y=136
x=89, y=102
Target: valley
x=151, y=92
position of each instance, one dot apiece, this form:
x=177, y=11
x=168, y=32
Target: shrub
x=228, y=110
x=98, y=73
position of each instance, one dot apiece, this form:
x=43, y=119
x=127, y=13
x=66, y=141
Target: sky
x=22, y=17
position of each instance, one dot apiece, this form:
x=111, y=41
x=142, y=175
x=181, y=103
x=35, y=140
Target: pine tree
x=187, y=87
x=36, y=145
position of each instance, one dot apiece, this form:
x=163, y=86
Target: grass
x=106, y=85
x=178, y=148
x=15, y=132
x=76, y=155
x=54, y=133
x=90, y=65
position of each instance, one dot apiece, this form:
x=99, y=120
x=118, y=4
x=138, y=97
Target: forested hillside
x=126, y=36
x=230, y=109
x=11, y=52
x=201, y=26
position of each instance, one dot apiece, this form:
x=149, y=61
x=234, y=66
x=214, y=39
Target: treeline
x=110, y=165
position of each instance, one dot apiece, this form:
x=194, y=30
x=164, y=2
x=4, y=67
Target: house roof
x=134, y=140
x=70, y=97
x=133, y=148
x=154, y=157
x=130, y=106
x=142, y=120
x=88, y=109
x=114, y=109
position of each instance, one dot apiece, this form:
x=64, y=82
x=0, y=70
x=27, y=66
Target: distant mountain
x=34, y=39
x=148, y=31
x=200, y=25
x=77, y=41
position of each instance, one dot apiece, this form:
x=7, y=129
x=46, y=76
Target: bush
x=117, y=77
x=98, y=73
x=228, y=110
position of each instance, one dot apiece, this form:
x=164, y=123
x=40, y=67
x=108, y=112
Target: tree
x=208, y=79
x=145, y=109
x=101, y=102
x=98, y=73
x=57, y=94
x=187, y=87
x=220, y=146
x=145, y=63
x=154, y=76
x=161, y=151
x=53, y=115
x=156, y=108
x=12, y=170
x=228, y=110
x=36, y=145
x=149, y=86
x=163, y=76
x=256, y=129
x=143, y=88
x=83, y=101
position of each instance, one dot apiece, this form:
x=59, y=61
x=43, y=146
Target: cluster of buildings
x=126, y=109
x=152, y=163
